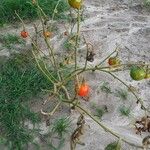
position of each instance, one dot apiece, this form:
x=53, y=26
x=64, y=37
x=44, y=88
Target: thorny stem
x=116, y=50
x=52, y=53
x=38, y=49
x=105, y=127
x=126, y=65
x=54, y=12
x=53, y=111
x=47, y=43
x=102, y=125
x=81, y=70
x=36, y=36
x=57, y=94
x=87, y=48
x=66, y=92
x=102, y=69
x=138, y=99
x=72, y=22
x=35, y=46
x=42, y=69
x=42, y=25
x=51, y=96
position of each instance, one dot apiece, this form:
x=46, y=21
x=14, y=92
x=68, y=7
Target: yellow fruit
x=75, y=3
x=147, y=76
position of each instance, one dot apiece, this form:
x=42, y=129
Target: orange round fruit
x=24, y=34
x=83, y=90
x=47, y=34
x=75, y=3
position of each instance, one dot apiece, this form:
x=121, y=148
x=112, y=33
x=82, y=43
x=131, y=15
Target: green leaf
x=114, y=146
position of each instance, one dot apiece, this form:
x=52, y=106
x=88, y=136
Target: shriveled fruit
x=113, y=61
x=83, y=90
x=75, y=3
x=24, y=34
x=47, y=34
x=66, y=33
x=90, y=56
x=137, y=73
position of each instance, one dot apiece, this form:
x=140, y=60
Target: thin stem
x=46, y=41
x=66, y=92
x=72, y=22
x=48, y=45
x=20, y=20
x=54, y=12
x=52, y=53
x=38, y=49
x=106, y=128
x=102, y=125
x=53, y=111
x=41, y=10
x=107, y=57
x=35, y=46
x=101, y=69
x=41, y=68
x=77, y=38
x=81, y=70
x=138, y=99
x=87, y=48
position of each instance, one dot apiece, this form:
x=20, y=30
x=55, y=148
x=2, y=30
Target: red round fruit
x=24, y=34
x=83, y=90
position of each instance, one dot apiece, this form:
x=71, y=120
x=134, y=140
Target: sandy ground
x=107, y=23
